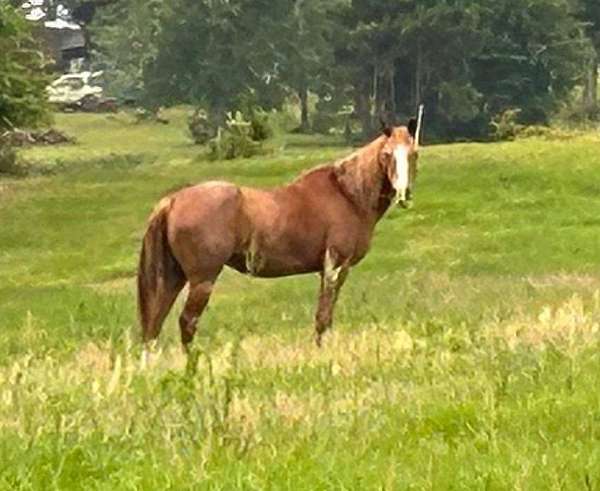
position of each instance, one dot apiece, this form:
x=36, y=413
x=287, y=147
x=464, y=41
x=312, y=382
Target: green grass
x=465, y=353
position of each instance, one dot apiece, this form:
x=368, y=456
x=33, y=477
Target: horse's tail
x=160, y=277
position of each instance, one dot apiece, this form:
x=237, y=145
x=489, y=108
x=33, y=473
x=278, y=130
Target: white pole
x=419, y=125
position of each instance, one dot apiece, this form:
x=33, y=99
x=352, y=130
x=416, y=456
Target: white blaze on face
x=402, y=171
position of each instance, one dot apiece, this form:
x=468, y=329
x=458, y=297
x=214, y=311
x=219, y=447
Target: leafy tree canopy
x=22, y=73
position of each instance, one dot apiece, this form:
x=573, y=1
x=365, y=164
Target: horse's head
x=399, y=156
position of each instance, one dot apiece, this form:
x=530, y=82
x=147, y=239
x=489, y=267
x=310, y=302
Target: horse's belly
x=271, y=264
x=273, y=268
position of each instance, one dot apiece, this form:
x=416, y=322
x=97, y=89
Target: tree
x=304, y=50
x=590, y=15
x=124, y=38
x=531, y=57
x=224, y=54
x=23, y=100
x=467, y=60
x=204, y=54
x=399, y=54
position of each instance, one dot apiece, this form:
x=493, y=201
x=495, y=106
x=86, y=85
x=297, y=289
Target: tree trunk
x=304, y=123
x=362, y=107
x=384, y=104
x=392, y=90
x=376, y=99
x=418, y=90
x=590, y=89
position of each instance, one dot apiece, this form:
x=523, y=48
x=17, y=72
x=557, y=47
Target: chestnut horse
x=321, y=222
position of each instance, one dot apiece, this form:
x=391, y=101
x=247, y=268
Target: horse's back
x=203, y=224
x=202, y=201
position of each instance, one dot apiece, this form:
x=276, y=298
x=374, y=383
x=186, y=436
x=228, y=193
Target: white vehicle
x=75, y=90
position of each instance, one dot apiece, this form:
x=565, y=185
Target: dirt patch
x=20, y=138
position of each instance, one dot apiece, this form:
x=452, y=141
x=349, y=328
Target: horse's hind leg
x=165, y=297
x=197, y=300
x=332, y=278
x=163, y=300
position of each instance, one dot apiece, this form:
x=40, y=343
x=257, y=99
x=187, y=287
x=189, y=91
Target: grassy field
x=465, y=353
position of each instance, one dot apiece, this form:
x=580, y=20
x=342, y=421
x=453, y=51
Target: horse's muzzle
x=405, y=202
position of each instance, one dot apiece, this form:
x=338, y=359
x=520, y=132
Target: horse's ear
x=412, y=127
x=386, y=128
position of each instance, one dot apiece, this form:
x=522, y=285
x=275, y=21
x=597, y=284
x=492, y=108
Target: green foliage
x=331, y=116
x=125, y=34
x=8, y=159
x=505, y=125
x=331, y=123
x=260, y=125
x=22, y=73
x=467, y=60
x=200, y=127
x=529, y=57
x=235, y=140
x=547, y=133
x=590, y=15
x=324, y=122
x=204, y=55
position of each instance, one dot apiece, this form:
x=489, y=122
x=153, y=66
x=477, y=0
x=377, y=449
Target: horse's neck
x=363, y=180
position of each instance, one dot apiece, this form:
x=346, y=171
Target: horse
x=322, y=222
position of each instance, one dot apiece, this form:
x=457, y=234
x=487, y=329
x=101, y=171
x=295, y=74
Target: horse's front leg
x=335, y=271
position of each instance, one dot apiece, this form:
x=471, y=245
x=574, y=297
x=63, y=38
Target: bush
x=200, y=127
x=259, y=123
x=327, y=122
x=8, y=160
x=505, y=126
x=285, y=120
x=235, y=140
x=546, y=133
x=323, y=122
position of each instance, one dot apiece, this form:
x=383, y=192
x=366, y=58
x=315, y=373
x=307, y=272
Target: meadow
x=465, y=352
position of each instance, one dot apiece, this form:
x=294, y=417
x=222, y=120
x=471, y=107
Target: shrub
x=324, y=122
x=259, y=123
x=546, y=132
x=200, y=127
x=235, y=140
x=505, y=126
x=328, y=121
x=255, y=122
x=8, y=159
x=285, y=119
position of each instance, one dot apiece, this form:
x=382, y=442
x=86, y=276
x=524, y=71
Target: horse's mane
x=359, y=174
